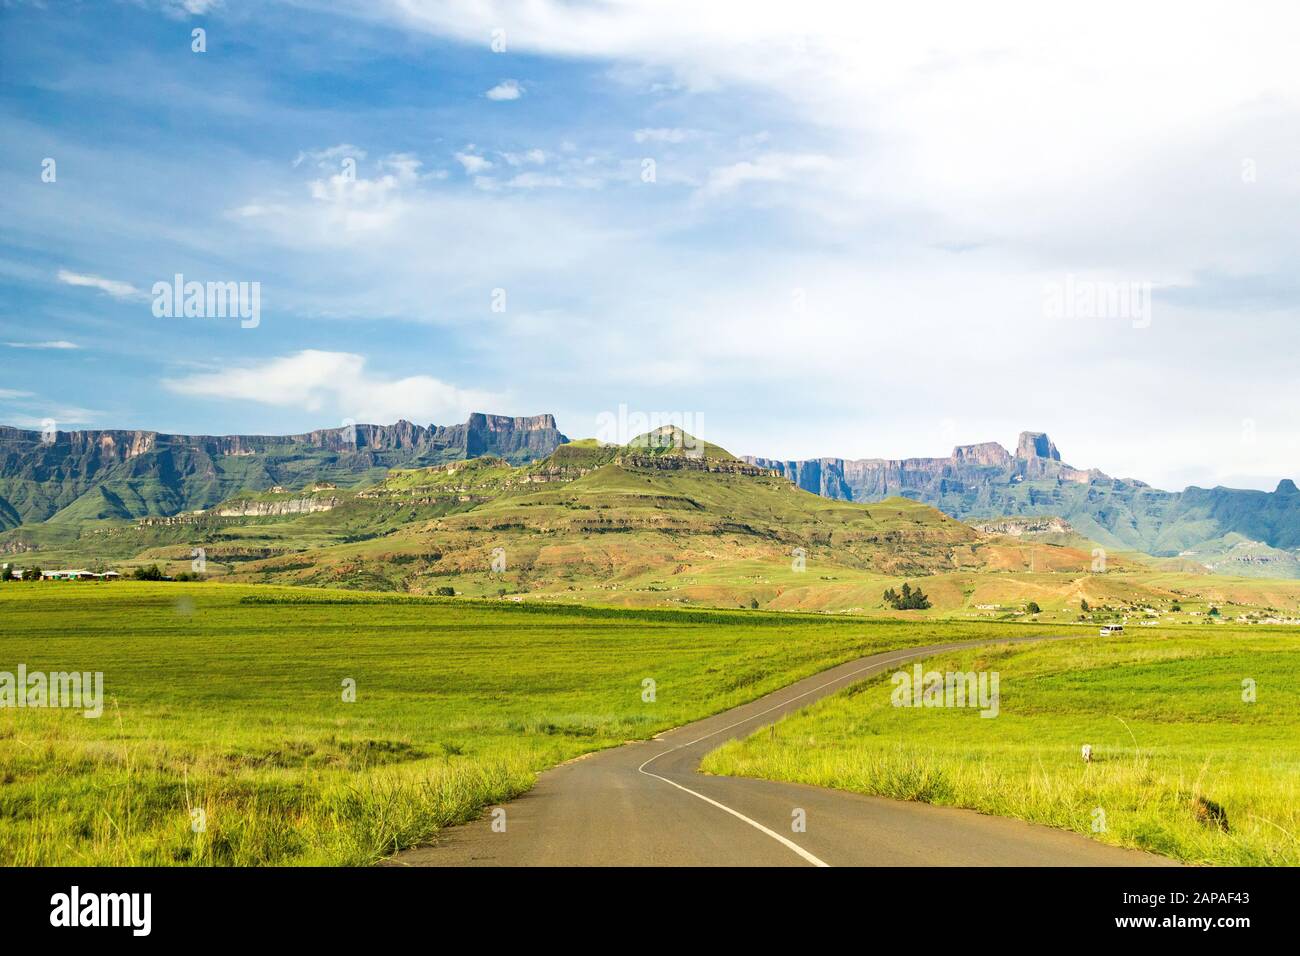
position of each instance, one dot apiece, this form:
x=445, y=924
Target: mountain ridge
x=125, y=473
x=985, y=480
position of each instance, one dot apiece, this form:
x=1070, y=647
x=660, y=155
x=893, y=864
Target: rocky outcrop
x=515, y=439
x=1018, y=527
x=1036, y=445
x=720, y=466
x=987, y=481
x=969, y=466
x=132, y=474
x=301, y=505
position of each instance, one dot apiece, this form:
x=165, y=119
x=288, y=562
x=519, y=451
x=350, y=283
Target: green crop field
x=1164, y=713
x=228, y=699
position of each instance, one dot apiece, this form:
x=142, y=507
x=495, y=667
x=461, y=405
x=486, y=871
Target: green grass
x=1162, y=711
x=228, y=699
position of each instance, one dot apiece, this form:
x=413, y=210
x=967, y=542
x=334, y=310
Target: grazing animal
x=1210, y=814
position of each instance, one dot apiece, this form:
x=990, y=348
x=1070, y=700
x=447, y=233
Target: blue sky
x=844, y=248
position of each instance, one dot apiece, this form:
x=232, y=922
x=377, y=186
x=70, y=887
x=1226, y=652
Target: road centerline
x=899, y=657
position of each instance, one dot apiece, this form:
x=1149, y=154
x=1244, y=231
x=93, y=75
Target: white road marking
x=815, y=861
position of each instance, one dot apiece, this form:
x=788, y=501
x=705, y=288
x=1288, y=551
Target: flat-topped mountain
x=80, y=475
x=969, y=466
x=664, y=519
x=985, y=481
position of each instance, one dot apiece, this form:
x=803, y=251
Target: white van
x=1109, y=629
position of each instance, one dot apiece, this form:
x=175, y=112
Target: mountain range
x=69, y=477
x=663, y=520
x=1233, y=530
x=60, y=483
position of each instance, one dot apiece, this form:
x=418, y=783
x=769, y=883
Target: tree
x=909, y=600
x=1033, y=608
x=151, y=573
x=445, y=592
x=32, y=574
x=6, y=573
x=1214, y=612
x=1083, y=606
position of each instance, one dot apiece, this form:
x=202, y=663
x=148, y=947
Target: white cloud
x=534, y=157
x=935, y=166
x=505, y=90
x=662, y=135
x=330, y=155
x=338, y=382
x=13, y=393
x=255, y=210
x=771, y=168
x=59, y=344
x=534, y=181
x=359, y=204
x=182, y=9
x=114, y=287
x=473, y=163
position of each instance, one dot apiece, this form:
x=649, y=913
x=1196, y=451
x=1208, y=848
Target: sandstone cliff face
x=1018, y=527
x=1036, y=445
x=141, y=473
x=929, y=479
x=305, y=504
x=987, y=454
x=718, y=466
x=986, y=480
x=515, y=439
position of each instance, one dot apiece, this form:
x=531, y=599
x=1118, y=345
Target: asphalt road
x=644, y=804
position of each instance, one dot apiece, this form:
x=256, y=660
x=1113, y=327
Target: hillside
x=593, y=517
x=665, y=520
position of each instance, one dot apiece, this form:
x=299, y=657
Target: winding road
x=645, y=804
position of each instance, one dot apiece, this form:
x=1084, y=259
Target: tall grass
x=1164, y=715
x=233, y=707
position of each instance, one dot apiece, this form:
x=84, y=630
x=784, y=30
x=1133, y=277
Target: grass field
x=1163, y=712
x=228, y=699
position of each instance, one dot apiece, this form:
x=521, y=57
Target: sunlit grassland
x=236, y=709
x=1164, y=714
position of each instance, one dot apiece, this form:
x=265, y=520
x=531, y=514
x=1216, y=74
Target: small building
x=79, y=574
x=68, y=575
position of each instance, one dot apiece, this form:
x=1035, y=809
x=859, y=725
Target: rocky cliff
x=869, y=479
x=293, y=505
x=986, y=481
x=84, y=475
